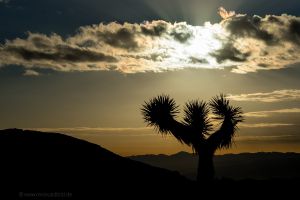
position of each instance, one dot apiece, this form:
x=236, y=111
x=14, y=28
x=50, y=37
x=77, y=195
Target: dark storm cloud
x=122, y=38
x=274, y=19
x=229, y=52
x=40, y=47
x=181, y=36
x=155, y=30
x=294, y=31
x=150, y=57
x=40, y=42
x=245, y=26
x=181, y=32
x=259, y=43
x=53, y=52
x=271, y=29
x=61, y=53
x=195, y=60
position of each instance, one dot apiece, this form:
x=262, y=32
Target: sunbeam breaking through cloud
x=243, y=43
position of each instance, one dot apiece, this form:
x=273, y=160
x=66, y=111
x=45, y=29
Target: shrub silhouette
x=196, y=128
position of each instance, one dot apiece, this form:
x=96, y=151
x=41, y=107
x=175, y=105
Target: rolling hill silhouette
x=260, y=166
x=38, y=161
x=35, y=162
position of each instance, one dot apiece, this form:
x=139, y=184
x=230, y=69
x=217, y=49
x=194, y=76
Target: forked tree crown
x=196, y=128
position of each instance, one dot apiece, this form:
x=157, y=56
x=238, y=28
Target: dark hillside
x=37, y=161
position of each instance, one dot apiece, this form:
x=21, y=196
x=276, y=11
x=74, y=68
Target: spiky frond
x=160, y=112
x=222, y=109
x=196, y=116
x=231, y=116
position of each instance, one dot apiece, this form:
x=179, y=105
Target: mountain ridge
x=260, y=165
x=188, y=153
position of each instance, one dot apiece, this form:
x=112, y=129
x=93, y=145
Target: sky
x=84, y=68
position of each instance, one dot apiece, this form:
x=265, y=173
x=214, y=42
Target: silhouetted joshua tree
x=196, y=129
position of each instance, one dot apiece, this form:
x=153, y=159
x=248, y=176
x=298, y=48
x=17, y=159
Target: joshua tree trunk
x=206, y=169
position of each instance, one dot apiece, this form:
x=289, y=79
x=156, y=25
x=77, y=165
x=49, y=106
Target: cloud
x=60, y=53
x=270, y=41
x=231, y=53
x=275, y=96
x=243, y=26
x=41, y=51
x=122, y=38
x=267, y=138
x=104, y=131
x=259, y=114
x=265, y=125
x=181, y=33
x=93, y=129
x=155, y=28
x=225, y=14
x=30, y=72
x=198, y=60
x=243, y=43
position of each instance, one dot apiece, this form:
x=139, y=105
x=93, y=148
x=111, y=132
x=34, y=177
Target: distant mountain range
x=273, y=165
